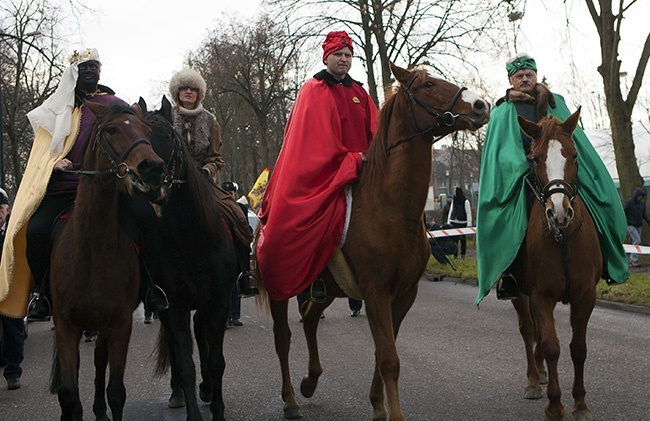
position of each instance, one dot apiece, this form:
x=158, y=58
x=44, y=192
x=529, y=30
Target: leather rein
x=444, y=118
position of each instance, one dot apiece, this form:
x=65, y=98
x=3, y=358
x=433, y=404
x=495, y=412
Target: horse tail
x=162, y=354
x=55, y=373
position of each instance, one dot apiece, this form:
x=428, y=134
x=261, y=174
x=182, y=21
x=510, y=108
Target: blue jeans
x=235, y=303
x=12, y=346
x=635, y=235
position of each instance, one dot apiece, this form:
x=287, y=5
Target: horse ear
x=530, y=128
x=143, y=104
x=571, y=123
x=166, y=109
x=402, y=75
x=137, y=109
x=96, y=108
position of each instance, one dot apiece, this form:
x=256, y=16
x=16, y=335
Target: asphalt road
x=457, y=363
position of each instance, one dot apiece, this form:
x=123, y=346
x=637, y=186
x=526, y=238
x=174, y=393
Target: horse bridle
x=542, y=194
x=173, y=166
x=557, y=185
x=443, y=118
x=118, y=166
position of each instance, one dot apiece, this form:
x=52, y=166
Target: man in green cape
x=503, y=202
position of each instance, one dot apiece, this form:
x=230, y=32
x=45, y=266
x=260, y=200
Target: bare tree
x=440, y=33
x=253, y=73
x=608, y=19
x=30, y=66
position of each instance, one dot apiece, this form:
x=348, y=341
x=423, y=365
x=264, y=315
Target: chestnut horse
x=560, y=261
x=387, y=259
x=198, y=272
x=95, y=272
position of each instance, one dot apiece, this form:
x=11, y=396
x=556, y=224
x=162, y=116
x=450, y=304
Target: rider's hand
x=64, y=164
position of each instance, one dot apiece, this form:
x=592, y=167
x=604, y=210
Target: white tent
x=602, y=141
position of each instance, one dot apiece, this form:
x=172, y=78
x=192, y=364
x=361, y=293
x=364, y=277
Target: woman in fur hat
x=202, y=135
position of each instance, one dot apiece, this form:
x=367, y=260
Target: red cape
x=303, y=210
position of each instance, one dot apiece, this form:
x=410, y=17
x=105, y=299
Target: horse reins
x=446, y=118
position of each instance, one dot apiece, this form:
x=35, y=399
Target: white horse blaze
x=555, y=163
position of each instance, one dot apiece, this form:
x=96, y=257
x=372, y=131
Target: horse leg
x=542, y=308
x=200, y=334
x=310, y=319
x=101, y=362
x=382, y=326
x=118, y=347
x=216, y=326
x=527, y=331
x=67, y=348
x=282, y=339
x=178, y=325
x=580, y=313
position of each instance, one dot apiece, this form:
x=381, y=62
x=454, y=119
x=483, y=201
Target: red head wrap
x=336, y=40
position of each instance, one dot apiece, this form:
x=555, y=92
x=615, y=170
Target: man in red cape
x=303, y=211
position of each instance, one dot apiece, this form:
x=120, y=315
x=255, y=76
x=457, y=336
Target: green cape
x=502, y=209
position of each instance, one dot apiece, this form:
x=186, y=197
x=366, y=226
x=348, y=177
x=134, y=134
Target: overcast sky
x=142, y=42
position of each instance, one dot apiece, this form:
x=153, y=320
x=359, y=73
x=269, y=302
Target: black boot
x=507, y=287
x=246, y=287
x=39, y=308
x=317, y=291
x=155, y=299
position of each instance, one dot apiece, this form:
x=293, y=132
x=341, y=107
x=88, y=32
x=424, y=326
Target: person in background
x=330, y=127
x=460, y=216
x=12, y=329
x=63, y=126
x=635, y=213
x=202, y=136
x=445, y=208
x=503, y=202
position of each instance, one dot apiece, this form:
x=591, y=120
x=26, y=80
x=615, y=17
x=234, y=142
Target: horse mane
x=377, y=157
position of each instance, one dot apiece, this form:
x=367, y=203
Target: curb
x=599, y=303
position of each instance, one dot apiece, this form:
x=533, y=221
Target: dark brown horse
x=559, y=261
x=198, y=272
x=94, y=265
x=386, y=246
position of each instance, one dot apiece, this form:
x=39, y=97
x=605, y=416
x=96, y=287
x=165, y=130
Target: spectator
x=445, y=208
x=460, y=216
x=635, y=213
x=12, y=329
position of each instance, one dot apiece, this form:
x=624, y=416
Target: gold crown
x=84, y=55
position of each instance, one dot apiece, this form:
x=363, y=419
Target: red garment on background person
x=303, y=210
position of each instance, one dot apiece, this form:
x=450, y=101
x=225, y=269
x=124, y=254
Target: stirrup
x=318, y=295
x=36, y=304
x=507, y=287
x=157, y=298
x=246, y=287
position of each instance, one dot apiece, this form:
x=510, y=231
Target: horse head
x=554, y=167
x=164, y=139
x=440, y=107
x=120, y=145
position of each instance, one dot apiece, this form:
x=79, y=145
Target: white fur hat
x=187, y=77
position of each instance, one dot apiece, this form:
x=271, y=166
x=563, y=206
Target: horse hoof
x=292, y=413
x=543, y=377
x=582, y=415
x=176, y=402
x=205, y=396
x=308, y=387
x=533, y=392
